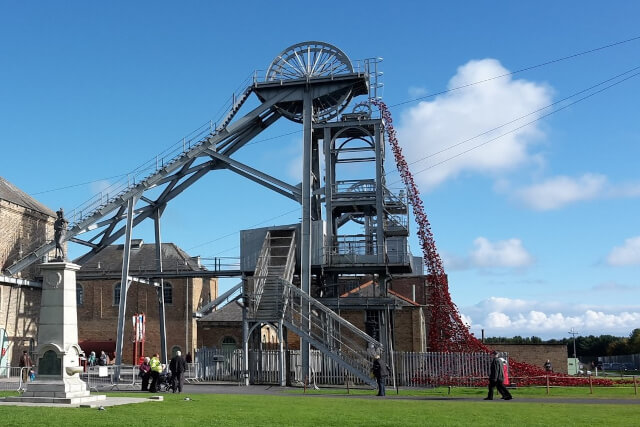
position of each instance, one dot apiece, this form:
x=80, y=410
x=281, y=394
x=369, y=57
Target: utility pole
x=574, y=333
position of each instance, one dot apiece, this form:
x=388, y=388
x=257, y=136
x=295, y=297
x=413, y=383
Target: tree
x=634, y=341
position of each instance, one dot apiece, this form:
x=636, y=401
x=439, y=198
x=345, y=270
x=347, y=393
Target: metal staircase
x=167, y=169
x=272, y=298
x=276, y=262
x=331, y=334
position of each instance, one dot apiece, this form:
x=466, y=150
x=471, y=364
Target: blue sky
x=538, y=227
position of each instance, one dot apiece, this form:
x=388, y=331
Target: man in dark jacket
x=25, y=364
x=496, y=377
x=177, y=366
x=381, y=372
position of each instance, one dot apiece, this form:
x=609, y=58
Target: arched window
x=175, y=349
x=168, y=293
x=116, y=294
x=79, y=294
x=228, y=343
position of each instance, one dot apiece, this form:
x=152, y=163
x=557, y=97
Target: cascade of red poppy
x=447, y=332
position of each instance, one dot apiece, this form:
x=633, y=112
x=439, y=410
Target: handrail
x=260, y=275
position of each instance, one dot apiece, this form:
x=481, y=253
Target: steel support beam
x=160, y=289
x=124, y=280
x=305, y=249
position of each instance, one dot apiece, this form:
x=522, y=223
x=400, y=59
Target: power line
x=454, y=145
x=390, y=106
x=235, y=232
x=531, y=113
x=78, y=185
x=553, y=61
x=526, y=124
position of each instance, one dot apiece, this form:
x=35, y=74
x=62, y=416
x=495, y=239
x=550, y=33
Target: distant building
x=98, y=296
x=25, y=224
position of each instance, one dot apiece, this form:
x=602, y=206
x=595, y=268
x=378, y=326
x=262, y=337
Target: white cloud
x=500, y=316
x=101, y=186
x=627, y=254
x=417, y=91
x=559, y=191
x=433, y=126
x=503, y=253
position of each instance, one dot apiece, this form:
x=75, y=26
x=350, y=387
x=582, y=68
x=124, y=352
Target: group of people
x=103, y=360
x=151, y=369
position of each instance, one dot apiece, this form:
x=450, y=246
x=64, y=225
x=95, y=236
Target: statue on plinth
x=60, y=229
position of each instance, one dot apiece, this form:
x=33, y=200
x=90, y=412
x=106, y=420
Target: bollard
x=547, y=385
x=305, y=383
x=590, y=385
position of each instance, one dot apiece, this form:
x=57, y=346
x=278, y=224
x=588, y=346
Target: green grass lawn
x=618, y=392
x=338, y=410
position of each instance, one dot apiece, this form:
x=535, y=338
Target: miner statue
x=60, y=229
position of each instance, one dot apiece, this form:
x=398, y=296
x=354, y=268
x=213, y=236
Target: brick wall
x=537, y=354
x=19, y=313
x=406, y=286
x=22, y=230
x=409, y=330
x=212, y=336
x=97, y=317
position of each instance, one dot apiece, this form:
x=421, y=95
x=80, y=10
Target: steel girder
x=177, y=176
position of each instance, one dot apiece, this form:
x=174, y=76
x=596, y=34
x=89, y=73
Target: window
x=372, y=324
x=175, y=349
x=116, y=294
x=168, y=293
x=79, y=294
x=228, y=343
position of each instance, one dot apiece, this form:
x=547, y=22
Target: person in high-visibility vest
x=156, y=368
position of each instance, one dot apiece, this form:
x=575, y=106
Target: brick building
x=537, y=354
x=98, y=296
x=24, y=224
x=223, y=328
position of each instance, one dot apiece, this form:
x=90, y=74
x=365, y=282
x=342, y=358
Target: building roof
x=142, y=259
x=231, y=312
x=369, y=290
x=13, y=194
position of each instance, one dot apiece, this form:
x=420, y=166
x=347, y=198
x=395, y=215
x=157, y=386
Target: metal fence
x=621, y=363
x=409, y=369
x=111, y=377
x=11, y=378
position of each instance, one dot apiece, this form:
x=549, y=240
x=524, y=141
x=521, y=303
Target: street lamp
x=574, y=333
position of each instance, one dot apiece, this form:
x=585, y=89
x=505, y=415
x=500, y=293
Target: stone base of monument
x=69, y=391
x=55, y=392
x=58, y=379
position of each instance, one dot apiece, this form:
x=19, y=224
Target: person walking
x=145, y=373
x=496, y=378
x=381, y=372
x=156, y=369
x=177, y=366
x=25, y=364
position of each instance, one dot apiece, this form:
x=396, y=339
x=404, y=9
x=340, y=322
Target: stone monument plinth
x=58, y=379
